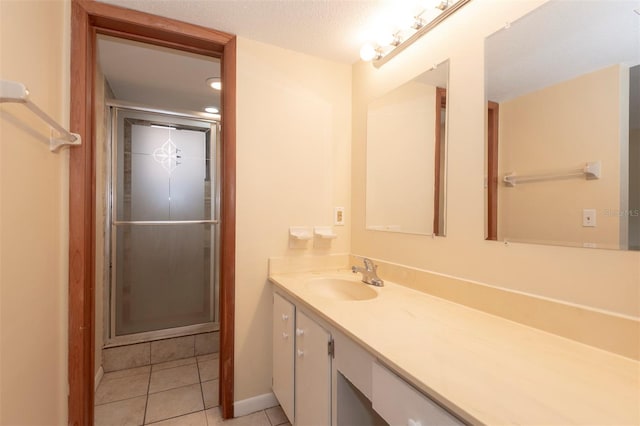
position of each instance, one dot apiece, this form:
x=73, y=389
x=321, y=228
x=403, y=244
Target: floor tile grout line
x=146, y=403
x=170, y=389
x=175, y=360
x=119, y=400
x=106, y=376
x=204, y=405
x=175, y=417
x=198, y=366
x=173, y=368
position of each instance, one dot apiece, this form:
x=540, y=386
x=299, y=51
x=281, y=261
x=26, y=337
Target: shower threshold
x=168, y=333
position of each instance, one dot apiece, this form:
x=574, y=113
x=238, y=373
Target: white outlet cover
x=589, y=217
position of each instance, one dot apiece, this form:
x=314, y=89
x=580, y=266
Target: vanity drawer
x=400, y=404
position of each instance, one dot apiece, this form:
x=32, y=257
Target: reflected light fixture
x=211, y=110
x=434, y=12
x=215, y=83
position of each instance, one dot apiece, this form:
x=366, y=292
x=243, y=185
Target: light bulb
x=214, y=83
x=368, y=52
x=211, y=110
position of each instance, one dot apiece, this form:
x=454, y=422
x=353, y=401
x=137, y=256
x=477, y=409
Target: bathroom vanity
x=347, y=354
x=306, y=367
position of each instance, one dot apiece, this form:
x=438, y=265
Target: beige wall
x=400, y=159
x=556, y=129
x=602, y=279
x=293, y=158
x=33, y=217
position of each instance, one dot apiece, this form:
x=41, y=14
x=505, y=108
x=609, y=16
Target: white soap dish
x=301, y=233
x=324, y=232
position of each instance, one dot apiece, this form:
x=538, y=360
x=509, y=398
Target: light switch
x=338, y=217
x=589, y=217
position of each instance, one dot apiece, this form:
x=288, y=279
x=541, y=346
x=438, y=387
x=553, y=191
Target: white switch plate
x=338, y=216
x=589, y=217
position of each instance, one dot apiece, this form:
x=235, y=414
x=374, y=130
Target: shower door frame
x=111, y=339
x=89, y=18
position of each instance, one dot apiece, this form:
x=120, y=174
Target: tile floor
x=175, y=393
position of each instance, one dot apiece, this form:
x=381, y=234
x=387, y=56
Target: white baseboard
x=251, y=405
x=96, y=380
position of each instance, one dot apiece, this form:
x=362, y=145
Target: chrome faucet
x=369, y=274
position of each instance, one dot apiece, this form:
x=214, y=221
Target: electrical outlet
x=589, y=217
x=338, y=216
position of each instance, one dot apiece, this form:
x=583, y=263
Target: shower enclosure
x=164, y=207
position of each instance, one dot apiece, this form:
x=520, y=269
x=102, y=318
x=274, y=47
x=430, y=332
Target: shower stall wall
x=164, y=228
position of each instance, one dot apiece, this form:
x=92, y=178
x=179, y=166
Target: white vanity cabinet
x=301, y=365
x=284, y=353
x=354, y=388
x=313, y=373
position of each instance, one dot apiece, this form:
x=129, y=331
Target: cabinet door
x=283, y=353
x=313, y=373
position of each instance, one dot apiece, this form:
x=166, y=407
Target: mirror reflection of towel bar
x=590, y=171
x=12, y=91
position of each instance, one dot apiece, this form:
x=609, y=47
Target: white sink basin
x=341, y=289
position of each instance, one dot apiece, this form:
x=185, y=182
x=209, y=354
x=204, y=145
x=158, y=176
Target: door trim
x=493, y=130
x=88, y=18
x=441, y=103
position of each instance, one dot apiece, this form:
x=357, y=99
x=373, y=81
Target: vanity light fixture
x=211, y=110
x=436, y=12
x=215, y=83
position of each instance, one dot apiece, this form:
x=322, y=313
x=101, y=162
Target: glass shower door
x=164, y=227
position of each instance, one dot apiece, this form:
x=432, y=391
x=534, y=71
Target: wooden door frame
x=493, y=117
x=89, y=18
x=441, y=103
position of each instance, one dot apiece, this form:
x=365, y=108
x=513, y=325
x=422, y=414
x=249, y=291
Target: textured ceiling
x=163, y=78
x=330, y=29
x=559, y=41
x=556, y=42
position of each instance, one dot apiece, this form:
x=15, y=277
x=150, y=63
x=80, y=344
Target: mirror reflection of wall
x=558, y=102
x=406, y=156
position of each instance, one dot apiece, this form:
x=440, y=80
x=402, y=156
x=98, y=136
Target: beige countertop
x=484, y=368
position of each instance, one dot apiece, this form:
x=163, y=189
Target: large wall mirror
x=406, y=156
x=563, y=128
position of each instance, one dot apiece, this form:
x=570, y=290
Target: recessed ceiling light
x=212, y=110
x=215, y=83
